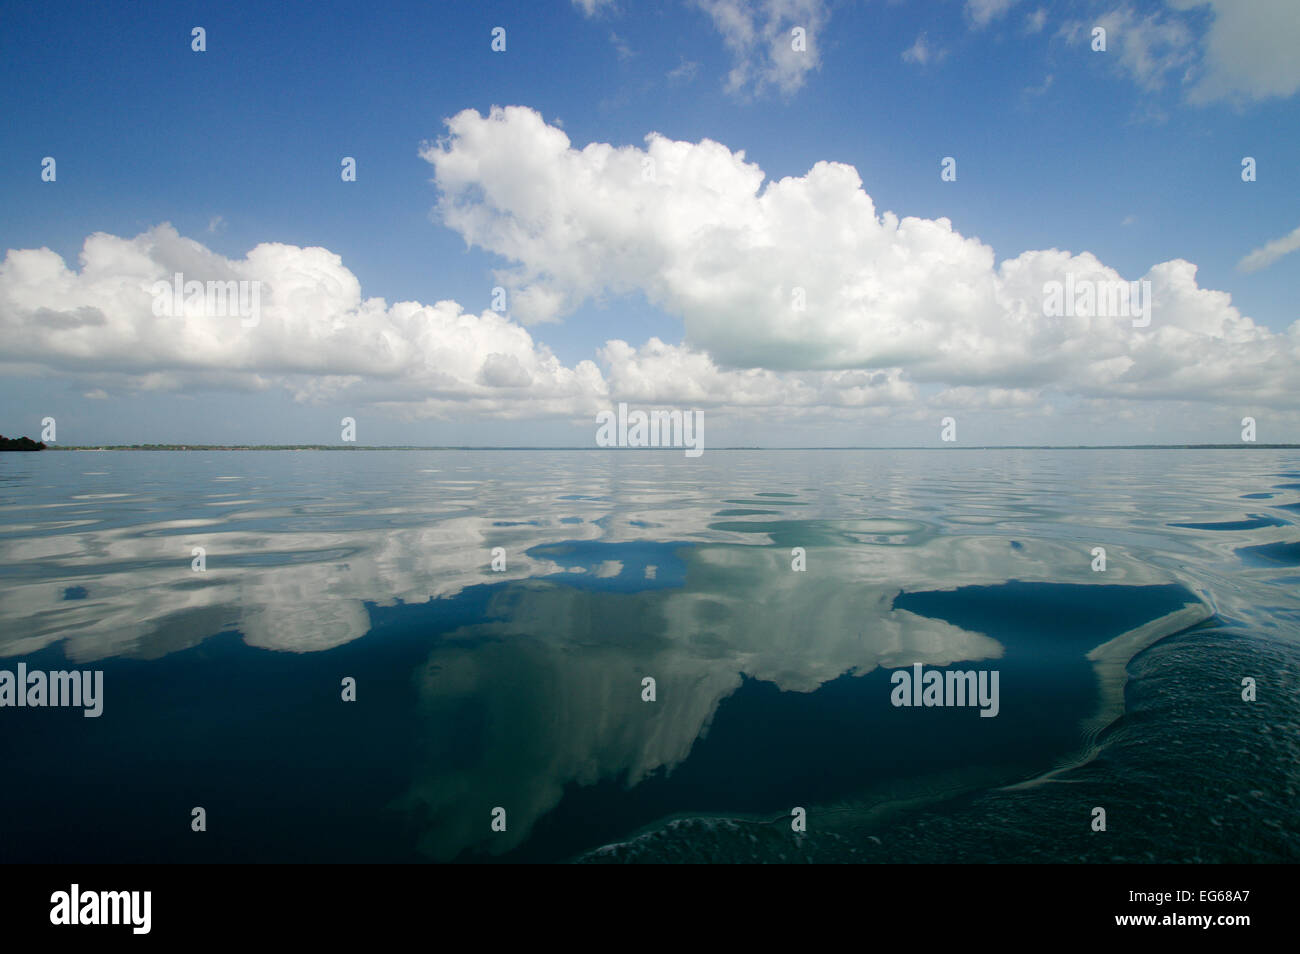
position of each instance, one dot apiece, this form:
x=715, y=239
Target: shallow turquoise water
x=522, y=688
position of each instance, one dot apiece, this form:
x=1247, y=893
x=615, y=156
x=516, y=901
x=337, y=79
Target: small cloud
x=922, y=53
x=98, y=394
x=1151, y=49
x=591, y=7
x=1042, y=88
x=1071, y=31
x=684, y=73
x=984, y=12
x=625, y=52
x=1129, y=220
x=1270, y=253
x=1035, y=22
x=216, y=223
x=765, y=51
x=1148, y=114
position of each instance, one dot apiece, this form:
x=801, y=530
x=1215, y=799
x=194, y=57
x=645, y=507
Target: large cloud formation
x=315, y=334
x=803, y=273
x=796, y=296
x=318, y=337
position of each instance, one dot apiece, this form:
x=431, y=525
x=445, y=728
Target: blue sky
x=1133, y=155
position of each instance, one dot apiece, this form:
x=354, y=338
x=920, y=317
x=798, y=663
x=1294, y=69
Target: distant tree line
x=20, y=444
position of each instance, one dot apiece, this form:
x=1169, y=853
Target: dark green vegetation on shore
x=20, y=444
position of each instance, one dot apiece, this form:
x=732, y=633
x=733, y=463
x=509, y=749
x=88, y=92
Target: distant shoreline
x=402, y=447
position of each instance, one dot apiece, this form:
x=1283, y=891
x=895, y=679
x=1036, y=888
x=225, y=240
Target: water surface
x=522, y=688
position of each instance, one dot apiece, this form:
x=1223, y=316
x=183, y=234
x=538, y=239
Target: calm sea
x=499, y=614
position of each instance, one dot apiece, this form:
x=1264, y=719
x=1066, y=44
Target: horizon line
x=530, y=447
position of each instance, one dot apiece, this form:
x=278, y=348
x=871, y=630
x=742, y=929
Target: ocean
x=634, y=656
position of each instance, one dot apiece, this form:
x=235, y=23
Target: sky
x=817, y=222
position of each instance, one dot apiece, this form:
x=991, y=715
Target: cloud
x=1035, y=21
x=621, y=47
x=592, y=7
x=799, y=300
x=1249, y=50
x=984, y=12
x=684, y=72
x=1150, y=47
x=922, y=53
x=660, y=373
x=318, y=338
x=1246, y=51
x=803, y=274
x=316, y=335
x=1264, y=257
x=1042, y=88
x=759, y=39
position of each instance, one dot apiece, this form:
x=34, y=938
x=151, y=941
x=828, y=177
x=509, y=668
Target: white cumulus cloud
x=798, y=298
x=315, y=336
x=805, y=274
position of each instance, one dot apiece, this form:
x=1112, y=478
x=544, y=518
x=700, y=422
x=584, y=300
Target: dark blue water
x=522, y=688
